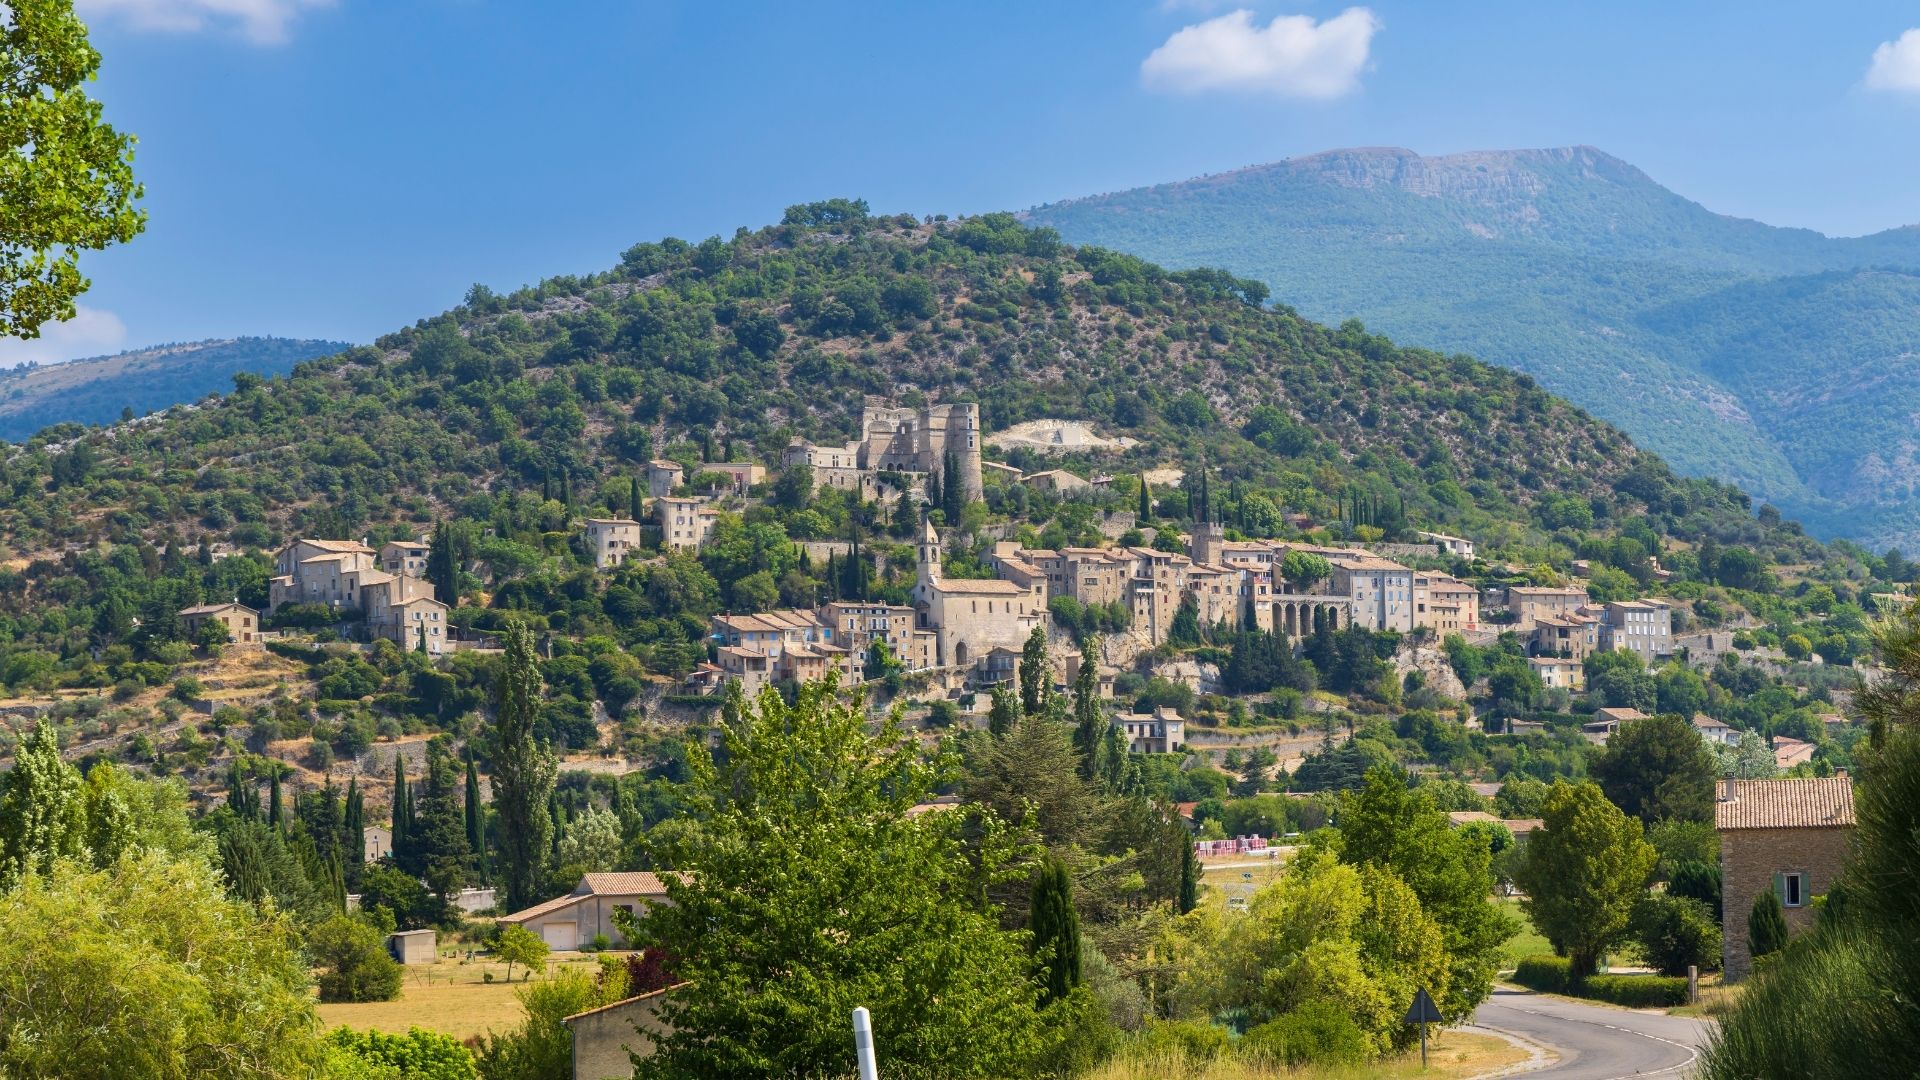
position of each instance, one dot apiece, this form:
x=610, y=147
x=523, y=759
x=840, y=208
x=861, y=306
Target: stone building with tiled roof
x=573, y=920
x=1790, y=836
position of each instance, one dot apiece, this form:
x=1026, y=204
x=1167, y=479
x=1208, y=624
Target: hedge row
x=1554, y=975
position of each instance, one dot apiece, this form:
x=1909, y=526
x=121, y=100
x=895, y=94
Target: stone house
x=1558, y=674
x=1381, y=591
x=1528, y=603
x=741, y=475
x=857, y=625
x=612, y=540
x=663, y=476
x=1163, y=731
x=1640, y=626
x=685, y=523
x=1444, y=604
x=242, y=622
x=1574, y=636
x=1790, y=836
x=570, y=921
x=968, y=616
x=1452, y=545
x=1714, y=731
x=1055, y=480
x=376, y=843
x=343, y=575
x=405, y=558
x=1788, y=753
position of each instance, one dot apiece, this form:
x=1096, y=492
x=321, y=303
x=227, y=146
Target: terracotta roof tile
x=1787, y=804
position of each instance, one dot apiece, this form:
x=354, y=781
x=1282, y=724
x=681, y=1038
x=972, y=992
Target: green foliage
x=149, y=970
x=70, y=187
x=1555, y=975
x=515, y=944
x=541, y=1048
x=1552, y=974
x=1766, y=925
x=524, y=771
x=1676, y=932
x=1317, y=1033
x=417, y=1055
x=1658, y=769
x=354, y=961
x=810, y=889
x=1056, y=930
x=1584, y=871
x=43, y=810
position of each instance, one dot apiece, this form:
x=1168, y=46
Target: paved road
x=1596, y=1042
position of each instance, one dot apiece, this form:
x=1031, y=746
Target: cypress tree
x=1036, y=675
x=1145, y=513
x=1189, y=877
x=401, y=815
x=1003, y=712
x=1113, y=760
x=356, y=827
x=1056, y=930
x=634, y=503
x=1766, y=925
x=524, y=771
x=1086, y=712
x=476, y=823
x=276, y=813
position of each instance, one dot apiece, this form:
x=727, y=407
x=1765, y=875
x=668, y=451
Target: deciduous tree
x=1585, y=869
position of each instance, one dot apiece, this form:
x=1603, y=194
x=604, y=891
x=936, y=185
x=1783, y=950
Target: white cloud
x=1292, y=56
x=91, y=332
x=263, y=22
x=1896, y=64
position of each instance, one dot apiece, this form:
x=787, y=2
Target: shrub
x=1551, y=974
x=1766, y=925
x=1317, y=1033
x=354, y=956
x=417, y=1055
x=1636, y=991
x=1554, y=975
x=1184, y=1040
x=1676, y=932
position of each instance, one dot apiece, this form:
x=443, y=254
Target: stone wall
x=1748, y=860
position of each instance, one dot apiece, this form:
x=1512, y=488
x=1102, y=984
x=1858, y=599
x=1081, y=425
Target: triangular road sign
x=1424, y=1011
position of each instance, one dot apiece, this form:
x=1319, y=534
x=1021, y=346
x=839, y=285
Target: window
x=1792, y=887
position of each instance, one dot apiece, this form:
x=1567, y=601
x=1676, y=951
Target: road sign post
x=1424, y=1012
x=863, y=1044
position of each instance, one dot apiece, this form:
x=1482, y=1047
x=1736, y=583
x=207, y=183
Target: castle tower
x=1209, y=540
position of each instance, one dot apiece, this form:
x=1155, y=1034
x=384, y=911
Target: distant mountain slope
x=97, y=389
x=735, y=347
x=1779, y=359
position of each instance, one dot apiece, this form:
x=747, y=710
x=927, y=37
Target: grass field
x=449, y=997
x=1528, y=942
x=1451, y=1055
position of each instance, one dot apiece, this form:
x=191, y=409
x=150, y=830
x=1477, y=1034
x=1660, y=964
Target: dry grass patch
x=449, y=997
x=1451, y=1055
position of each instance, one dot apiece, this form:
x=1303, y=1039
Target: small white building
x=413, y=946
x=376, y=843
x=1714, y=731
x=1452, y=545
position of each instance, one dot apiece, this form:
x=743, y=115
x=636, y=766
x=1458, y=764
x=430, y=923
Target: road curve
x=1596, y=1042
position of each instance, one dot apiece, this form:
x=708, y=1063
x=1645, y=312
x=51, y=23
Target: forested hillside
x=102, y=389
x=1774, y=358
x=785, y=331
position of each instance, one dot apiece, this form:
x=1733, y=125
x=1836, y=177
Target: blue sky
x=339, y=168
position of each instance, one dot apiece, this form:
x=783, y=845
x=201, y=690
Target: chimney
x=1726, y=790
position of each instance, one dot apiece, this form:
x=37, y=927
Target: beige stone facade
x=1790, y=836
x=1528, y=603
x=612, y=540
x=242, y=622
x=968, y=617
x=1444, y=604
x=663, y=476
x=685, y=523
x=345, y=575
x=606, y=1040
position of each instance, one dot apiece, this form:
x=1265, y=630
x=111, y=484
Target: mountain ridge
x=1569, y=263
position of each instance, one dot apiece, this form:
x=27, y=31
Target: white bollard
x=863, y=1044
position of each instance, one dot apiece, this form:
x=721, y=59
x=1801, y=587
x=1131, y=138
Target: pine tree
x=1189, y=878
x=476, y=823
x=524, y=771
x=1056, y=930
